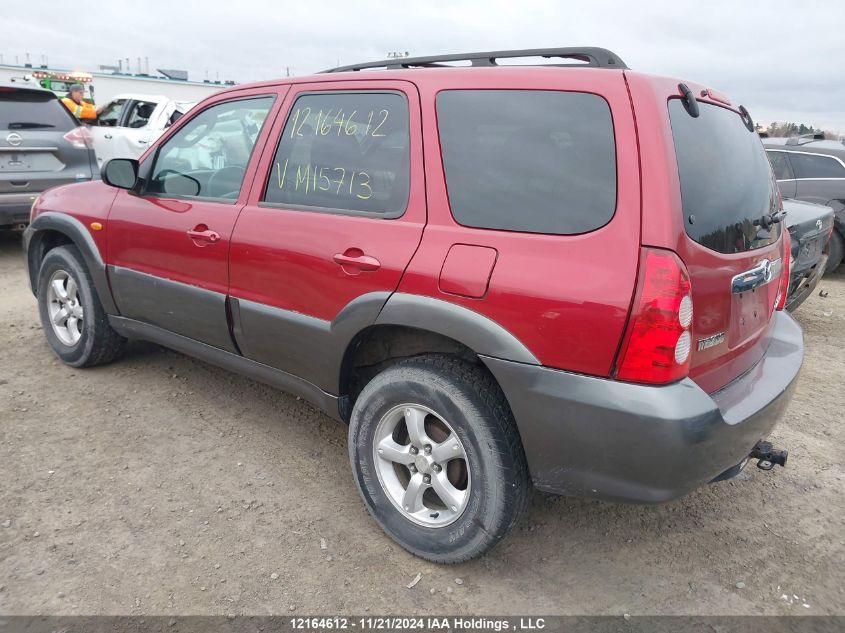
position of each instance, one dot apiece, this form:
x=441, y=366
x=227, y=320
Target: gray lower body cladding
x=594, y=437
x=14, y=207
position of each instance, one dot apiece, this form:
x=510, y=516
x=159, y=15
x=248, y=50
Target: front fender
x=35, y=247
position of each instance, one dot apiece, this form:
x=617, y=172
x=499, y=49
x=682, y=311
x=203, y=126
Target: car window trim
x=229, y=201
x=333, y=210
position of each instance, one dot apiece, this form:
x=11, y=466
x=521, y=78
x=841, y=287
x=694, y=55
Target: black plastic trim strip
x=476, y=331
x=175, y=306
x=74, y=230
x=227, y=360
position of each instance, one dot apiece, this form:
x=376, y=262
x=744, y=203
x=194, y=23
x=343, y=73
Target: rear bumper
x=803, y=282
x=595, y=437
x=14, y=207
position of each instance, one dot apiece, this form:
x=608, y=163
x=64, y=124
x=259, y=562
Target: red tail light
x=786, y=259
x=80, y=137
x=657, y=345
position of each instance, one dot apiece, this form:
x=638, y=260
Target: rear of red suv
x=708, y=359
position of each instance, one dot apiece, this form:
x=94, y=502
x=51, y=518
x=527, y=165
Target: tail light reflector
x=658, y=342
x=786, y=260
x=80, y=137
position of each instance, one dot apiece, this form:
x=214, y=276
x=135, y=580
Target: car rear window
x=726, y=181
x=32, y=110
x=533, y=161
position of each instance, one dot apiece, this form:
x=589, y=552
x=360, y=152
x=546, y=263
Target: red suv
x=567, y=275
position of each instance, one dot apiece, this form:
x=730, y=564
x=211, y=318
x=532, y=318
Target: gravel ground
x=162, y=485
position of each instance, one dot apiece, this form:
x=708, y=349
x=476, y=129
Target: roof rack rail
x=805, y=138
x=591, y=55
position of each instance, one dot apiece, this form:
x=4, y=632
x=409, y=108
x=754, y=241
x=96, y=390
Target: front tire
x=73, y=319
x=437, y=458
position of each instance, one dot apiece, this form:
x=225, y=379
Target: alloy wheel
x=422, y=465
x=64, y=307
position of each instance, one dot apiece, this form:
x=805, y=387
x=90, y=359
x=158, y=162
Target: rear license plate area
x=14, y=162
x=749, y=314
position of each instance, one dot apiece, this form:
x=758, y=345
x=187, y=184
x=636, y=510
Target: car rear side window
x=534, y=161
x=780, y=165
x=726, y=182
x=344, y=152
x=33, y=110
x=816, y=166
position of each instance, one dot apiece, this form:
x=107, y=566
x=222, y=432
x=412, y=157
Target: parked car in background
x=812, y=169
x=810, y=226
x=41, y=145
x=480, y=269
x=128, y=124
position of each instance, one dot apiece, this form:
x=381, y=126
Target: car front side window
x=109, y=115
x=208, y=156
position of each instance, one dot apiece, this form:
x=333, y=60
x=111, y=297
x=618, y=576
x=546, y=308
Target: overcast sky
x=782, y=59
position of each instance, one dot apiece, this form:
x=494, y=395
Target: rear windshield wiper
x=27, y=125
x=770, y=218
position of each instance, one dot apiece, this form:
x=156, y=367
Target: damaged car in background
x=810, y=227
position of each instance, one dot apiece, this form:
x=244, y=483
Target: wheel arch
x=50, y=230
x=412, y=325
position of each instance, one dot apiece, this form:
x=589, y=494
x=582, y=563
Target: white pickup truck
x=129, y=123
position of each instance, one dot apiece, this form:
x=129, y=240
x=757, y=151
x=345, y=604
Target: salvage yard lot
x=163, y=485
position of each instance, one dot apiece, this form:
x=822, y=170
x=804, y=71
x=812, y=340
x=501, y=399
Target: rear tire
x=73, y=319
x=477, y=459
x=836, y=252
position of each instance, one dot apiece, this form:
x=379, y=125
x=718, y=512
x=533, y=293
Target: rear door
x=716, y=216
x=335, y=214
x=34, y=153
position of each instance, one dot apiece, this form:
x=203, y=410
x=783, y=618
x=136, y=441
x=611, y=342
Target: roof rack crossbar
x=590, y=56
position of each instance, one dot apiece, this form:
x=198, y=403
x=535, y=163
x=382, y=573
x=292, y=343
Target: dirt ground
x=162, y=485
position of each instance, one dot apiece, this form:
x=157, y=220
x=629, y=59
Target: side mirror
x=121, y=173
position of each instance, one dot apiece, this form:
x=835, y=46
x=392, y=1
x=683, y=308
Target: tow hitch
x=768, y=455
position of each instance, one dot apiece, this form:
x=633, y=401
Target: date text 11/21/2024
x=412, y=623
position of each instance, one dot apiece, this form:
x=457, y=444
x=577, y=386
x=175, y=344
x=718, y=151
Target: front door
x=134, y=135
x=334, y=216
x=168, y=247
x=109, y=118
